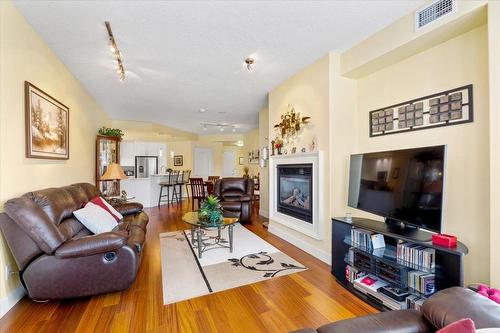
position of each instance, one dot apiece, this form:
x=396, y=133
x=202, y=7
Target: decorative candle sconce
x=291, y=123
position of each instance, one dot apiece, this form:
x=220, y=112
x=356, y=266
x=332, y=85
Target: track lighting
x=116, y=52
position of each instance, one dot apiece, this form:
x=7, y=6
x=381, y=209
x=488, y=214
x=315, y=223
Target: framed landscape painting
x=47, y=125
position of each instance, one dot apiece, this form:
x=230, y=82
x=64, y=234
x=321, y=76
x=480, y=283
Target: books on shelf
x=422, y=282
x=416, y=256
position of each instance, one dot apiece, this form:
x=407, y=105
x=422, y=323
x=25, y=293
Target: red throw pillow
x=459, y=326
x=100, y=202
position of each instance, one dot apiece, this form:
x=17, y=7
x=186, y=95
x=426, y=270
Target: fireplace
x=295, y=192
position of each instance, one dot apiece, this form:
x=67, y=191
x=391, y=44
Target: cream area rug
x=186, y=276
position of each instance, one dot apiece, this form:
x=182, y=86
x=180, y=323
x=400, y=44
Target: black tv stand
x=407, y=230
x=448, y=261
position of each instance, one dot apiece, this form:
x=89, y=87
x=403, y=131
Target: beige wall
x=264, y=172
x=457, y=62
x=25, y=56
x=494, y=75
x=308, y=92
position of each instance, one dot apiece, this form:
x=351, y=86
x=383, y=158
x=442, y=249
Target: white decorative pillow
x=95, y=218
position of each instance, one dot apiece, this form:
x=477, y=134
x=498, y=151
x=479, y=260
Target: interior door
x=202, y=162
x=229, y=167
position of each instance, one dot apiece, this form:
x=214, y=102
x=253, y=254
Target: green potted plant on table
x=211, y=211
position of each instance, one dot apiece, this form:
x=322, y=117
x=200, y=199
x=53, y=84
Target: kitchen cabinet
x=127, y=153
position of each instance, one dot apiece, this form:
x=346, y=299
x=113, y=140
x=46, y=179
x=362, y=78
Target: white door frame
x=211, y=164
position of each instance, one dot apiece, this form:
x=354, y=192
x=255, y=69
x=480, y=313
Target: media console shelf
x=448, y=269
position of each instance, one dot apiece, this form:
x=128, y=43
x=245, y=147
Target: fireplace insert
x=295, y=191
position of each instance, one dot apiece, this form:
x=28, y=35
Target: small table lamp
x=115, y=173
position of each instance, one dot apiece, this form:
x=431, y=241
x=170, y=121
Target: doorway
x=202, y=162
x=229, y=166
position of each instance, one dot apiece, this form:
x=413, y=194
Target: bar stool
x=170, y=183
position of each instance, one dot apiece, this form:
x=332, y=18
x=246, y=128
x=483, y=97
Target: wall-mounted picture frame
x=241, y=161
x=47, y=125
x=178, y=160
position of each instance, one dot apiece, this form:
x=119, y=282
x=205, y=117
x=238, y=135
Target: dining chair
x=171, y=183
x=211, y=183
x=197, y=191
x=186, y=174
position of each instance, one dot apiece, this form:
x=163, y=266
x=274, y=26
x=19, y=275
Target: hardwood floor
x=307, y=299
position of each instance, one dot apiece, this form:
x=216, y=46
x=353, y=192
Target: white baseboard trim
x=11, y=299
x=264, y=213
x=314, y=251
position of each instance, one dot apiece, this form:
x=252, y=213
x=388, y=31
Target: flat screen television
x=404, y=186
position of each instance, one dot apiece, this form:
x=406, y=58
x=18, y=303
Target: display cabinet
x=107, y=152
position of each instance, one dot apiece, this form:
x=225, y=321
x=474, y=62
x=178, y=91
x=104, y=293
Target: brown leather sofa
x=236, y=196
x=440, y=310
x=58, y=257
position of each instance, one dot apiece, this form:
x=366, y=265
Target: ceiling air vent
x=433, y=12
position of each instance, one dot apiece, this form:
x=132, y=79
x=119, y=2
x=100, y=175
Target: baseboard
x=264, y=213
x=11, y=299
x=315, y=252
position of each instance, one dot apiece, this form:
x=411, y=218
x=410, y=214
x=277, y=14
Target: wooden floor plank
x=306, y=299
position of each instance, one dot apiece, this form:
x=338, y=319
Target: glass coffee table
x=204, y=242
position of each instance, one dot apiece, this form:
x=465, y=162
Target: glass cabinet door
x=107, y=153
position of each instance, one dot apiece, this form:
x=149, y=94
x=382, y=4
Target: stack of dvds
x=361, y=238
x=352, y=273
x=414, y=302
x=422, y=282
x=416, y=256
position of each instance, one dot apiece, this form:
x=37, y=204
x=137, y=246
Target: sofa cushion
x=70, y=227
x=452, y=304
x=231, y=205
x=78, y=194
x=128, y=208
x=35, y=222
x=95, y=218
x=57, y=203
x=90, y=245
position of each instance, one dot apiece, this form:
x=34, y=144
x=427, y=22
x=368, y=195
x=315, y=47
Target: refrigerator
x=145, y=166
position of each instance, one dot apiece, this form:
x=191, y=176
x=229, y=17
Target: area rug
x=184, y=276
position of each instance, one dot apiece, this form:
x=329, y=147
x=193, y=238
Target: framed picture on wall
x=47, y=125
x=178, y=160
x=241, y=161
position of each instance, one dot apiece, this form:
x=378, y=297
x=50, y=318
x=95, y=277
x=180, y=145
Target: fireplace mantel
x=316, y=228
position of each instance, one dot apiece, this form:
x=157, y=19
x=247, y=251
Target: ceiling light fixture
x=249, y=62
x=116, y=52
x=220, y=126
x=203, y=110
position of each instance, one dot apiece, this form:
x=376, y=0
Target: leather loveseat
x=58, y=257
x=440, y=310
x=236, y=196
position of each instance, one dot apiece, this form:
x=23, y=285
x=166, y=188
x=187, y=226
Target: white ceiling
x=181, y=56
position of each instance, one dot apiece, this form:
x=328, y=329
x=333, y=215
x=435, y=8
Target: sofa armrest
x=128, y=208
x=402, y=321
x=456, y=303
x=90, y=245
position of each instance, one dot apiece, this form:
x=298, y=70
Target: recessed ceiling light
x=221, y=129
x=203, y=110
x=234, y=129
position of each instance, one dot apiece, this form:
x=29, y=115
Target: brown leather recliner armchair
x=58, y=257
x=236, y=196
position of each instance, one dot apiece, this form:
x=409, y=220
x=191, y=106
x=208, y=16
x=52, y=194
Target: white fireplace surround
x=314, y=229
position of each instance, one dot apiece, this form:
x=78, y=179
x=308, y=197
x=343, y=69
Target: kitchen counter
x=147, y=190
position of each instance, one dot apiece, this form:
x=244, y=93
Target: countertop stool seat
x=171, y=183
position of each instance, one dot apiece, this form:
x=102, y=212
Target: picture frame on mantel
x=47, y=125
